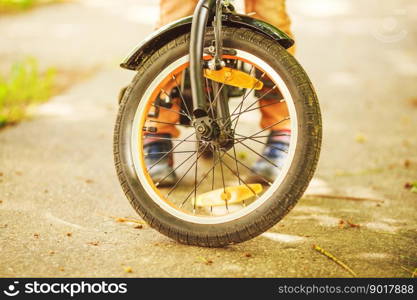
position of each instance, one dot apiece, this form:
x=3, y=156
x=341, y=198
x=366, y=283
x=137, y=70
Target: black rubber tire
x=283, y=199
x=122, y=94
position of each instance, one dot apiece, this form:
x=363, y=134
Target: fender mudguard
x=182, y=26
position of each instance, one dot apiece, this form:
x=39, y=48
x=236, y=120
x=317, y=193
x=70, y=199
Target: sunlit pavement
x=60, y=198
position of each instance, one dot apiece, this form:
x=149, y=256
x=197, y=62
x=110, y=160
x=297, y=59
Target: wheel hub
x=209, y=131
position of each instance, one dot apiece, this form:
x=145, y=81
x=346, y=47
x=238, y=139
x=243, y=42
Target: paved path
x=60, y=195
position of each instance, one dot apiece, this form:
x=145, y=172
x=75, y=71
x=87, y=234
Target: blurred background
x=60, y=200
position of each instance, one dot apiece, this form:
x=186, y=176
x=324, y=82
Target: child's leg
x=273, y=114
x=171, y=10
x=273, y=12
x=166, y=115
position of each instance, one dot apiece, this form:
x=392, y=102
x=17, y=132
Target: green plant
x=20, y=5
x=16, y=4
x=24, y=87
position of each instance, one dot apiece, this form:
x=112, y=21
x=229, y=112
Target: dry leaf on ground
x=205, y=260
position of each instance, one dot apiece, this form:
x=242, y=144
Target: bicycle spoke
x=270, y=126
x=183, y=176
x=173, y=149
x=215, y=99
x=259, y=142
x=202, y=179
x=260, y=155
x=241, y=103
x=161, y=138
x=252, y=171
x=259, y=107
x=212, y=178
x=195, y=182
x=182, y=97
x=224, y=185
x=168, y=123
x=174, y=170
x=266, y=136
x=175, y=152
x=259, y=99
x=246, y=95
x=237, y=166
x=237, y=169
x=262, y=97
x=244, y=182
x=209, y=97
x=180, y=112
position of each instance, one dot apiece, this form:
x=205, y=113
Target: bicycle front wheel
x=218, y=199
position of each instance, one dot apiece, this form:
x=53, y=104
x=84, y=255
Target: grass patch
x=7, y=6
x=12, y=5
x=24, y=87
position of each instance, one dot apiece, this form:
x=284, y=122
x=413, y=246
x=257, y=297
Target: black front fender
x=182, y=26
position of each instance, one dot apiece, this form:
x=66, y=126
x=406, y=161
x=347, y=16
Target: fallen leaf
x=206, y=261
x=353, y=225
x=407, y=163
x=411, y=186
x=93, y=243
x=343, y=224
x=89, y=181
x=126, y=220
x=51, y=252
x=413, y=102
x=140, y=226
x=36, y=235
x=128, y=269
x=248, y=255
x=69, y=234
x=1, y=201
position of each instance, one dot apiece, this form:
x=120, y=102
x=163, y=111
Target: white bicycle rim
x=137, y=152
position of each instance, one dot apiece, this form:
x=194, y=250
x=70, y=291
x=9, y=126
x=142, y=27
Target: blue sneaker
x=158, y=159
x=276, y=152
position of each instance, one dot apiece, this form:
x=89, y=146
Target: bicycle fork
x=211, y=122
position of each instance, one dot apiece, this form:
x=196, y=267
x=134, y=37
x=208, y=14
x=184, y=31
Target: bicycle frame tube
x=198, y=31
